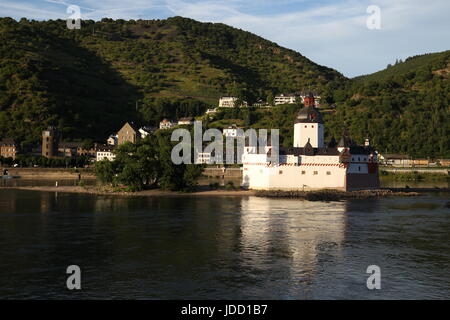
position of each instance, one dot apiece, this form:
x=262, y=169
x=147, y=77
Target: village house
x=69, y=149
x=203, y=158
x=146, y=131
x=90, y=152
x=285, y=99
x=227, y=102
x=105, y=152
x=230, y=102
x=8, y=148
x=112, y=140
x=211, y=111
x=186, y=121
x=232, y=131
x=166, y=124
x=128, y=133
x=293, y=98
x=208, y=158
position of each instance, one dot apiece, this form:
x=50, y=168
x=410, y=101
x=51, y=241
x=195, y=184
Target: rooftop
x=186, y=119
x=309, y=115
x=9, y=142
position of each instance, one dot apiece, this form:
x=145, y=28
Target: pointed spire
x=308, y=144
x=345, y=141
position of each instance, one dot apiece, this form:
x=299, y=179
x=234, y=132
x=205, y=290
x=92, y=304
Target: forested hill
x=419, y=68
x=89, y=81
x=404, y=108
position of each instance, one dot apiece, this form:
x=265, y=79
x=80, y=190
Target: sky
x=331, y=33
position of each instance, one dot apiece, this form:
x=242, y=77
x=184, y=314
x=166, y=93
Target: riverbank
x=145, y=193
x=51, y=173
x=316, y=195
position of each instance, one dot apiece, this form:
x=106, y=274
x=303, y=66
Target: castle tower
x=308, y=100
x=309, y=125
x=50, y=142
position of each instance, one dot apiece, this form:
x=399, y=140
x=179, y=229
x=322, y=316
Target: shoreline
x=315, y=195
x=336, y=195
x=145, y=193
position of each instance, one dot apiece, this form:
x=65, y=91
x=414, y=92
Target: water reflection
x=292, y=236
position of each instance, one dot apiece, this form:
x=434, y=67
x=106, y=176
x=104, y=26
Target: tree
x=146, y=164
x=191, y=175
x=104, y=171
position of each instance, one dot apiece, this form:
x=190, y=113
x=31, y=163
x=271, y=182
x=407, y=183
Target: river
x=222, y=247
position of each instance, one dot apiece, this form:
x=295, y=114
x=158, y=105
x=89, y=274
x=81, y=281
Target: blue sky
x=331, y=33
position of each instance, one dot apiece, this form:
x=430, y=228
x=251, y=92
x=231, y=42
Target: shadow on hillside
x=92, y=99
x=244, y=74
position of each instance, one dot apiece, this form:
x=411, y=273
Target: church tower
x=309, y=125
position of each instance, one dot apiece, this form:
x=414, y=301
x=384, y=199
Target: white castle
x=310, y=164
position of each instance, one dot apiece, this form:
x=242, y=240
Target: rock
x=332, y=195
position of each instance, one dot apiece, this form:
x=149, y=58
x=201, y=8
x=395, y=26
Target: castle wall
x=355, y=181
x=303, y=177
x=358, y=168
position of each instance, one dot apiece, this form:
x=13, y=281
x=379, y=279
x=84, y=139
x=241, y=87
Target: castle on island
x=311, y=164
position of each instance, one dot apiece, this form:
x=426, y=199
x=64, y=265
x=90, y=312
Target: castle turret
x=309, y=125
x=308, y=100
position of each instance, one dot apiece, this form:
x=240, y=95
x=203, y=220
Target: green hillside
x=89, y=81
x=417, y=69
x=405, y=108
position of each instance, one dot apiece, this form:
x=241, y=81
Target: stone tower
x=50, y=142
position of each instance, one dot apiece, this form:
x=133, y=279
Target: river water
x=222, y=247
